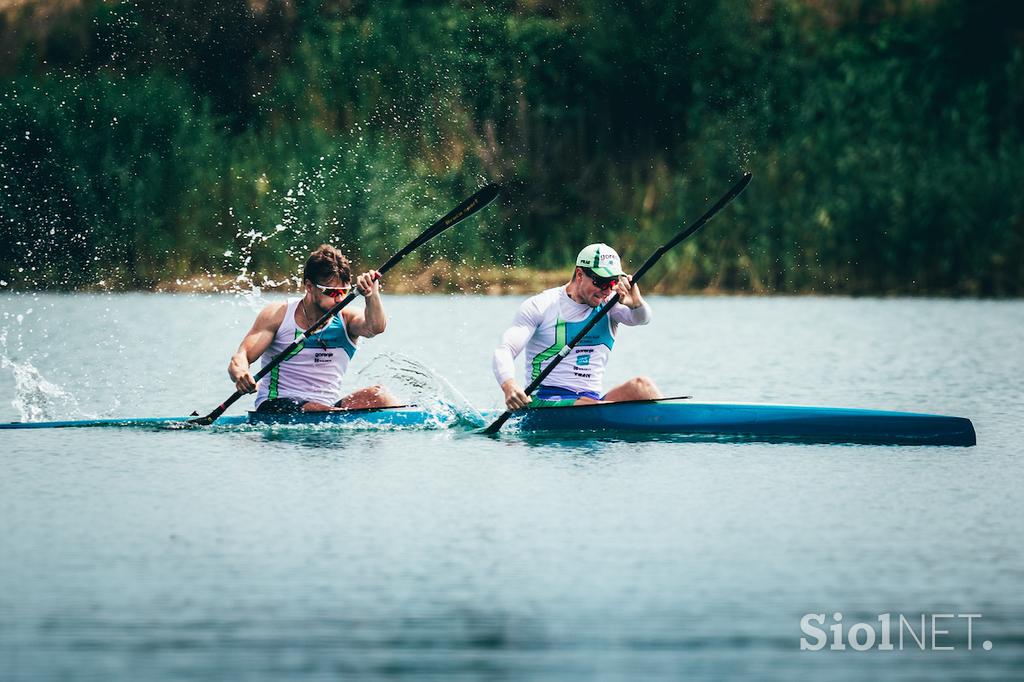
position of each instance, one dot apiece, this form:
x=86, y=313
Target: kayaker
x=310, y=380
x=549, y=320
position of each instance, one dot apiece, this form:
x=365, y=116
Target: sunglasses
x=333, y=292
x=601, y=282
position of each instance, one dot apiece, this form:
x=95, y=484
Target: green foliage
x=142, y=142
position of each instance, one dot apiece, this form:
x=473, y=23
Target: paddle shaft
x=467, y=208
x=648, y=264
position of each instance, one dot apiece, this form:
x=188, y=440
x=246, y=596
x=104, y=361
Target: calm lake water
x=327, y=554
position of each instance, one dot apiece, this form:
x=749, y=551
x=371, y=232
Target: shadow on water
x=577, y=439
x=322, y=438
x=582, y=439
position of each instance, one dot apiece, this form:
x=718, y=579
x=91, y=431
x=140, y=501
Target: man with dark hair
x=309, y=380
x=548, y=321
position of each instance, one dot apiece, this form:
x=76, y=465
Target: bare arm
x=371, y=320
x=255, y=344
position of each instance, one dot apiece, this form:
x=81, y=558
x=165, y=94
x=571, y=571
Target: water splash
x=302, y=219
x=415, y=383
x=36, y=398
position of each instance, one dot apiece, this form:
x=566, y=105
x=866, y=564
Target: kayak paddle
x=467, y=208
x=566, y=349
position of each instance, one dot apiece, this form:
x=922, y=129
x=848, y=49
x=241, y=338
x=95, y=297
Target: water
x=323, y=554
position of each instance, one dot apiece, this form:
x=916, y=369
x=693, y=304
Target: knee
x=644, y=386
x=382, y=391
x=382, y=396
x=375, y=391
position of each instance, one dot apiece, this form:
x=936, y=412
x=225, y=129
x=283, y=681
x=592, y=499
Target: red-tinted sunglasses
x=601, y=282
x=334, y=292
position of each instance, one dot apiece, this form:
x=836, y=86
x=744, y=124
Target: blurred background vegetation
x=143, y=142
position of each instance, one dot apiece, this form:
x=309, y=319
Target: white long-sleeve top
x=548, y=321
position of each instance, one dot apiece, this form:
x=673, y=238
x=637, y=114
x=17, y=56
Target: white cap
x=600, y=258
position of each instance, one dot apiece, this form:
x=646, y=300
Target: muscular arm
x=371, y=320
x=255, y=344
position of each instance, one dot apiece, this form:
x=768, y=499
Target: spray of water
x=36, y=398
x=415, y=383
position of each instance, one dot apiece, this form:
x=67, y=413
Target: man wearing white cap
x=548, y=321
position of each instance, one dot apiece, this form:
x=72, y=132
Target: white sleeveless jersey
x=313, y=371
x=547, y=322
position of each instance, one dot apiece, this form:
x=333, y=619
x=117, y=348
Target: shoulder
x=534, y=307
x=544, y=298
x=272, y=315
x=351, y=319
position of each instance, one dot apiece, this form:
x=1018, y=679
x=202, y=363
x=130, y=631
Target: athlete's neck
x=572, y=291
x=309, y=309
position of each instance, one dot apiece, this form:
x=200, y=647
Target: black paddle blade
x=480, y=199
x=497, y=424
x=483, y=196
x=208, y=419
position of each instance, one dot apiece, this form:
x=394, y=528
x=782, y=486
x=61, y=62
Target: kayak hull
x=730, y=421
x=754, y=421
x=403, y=417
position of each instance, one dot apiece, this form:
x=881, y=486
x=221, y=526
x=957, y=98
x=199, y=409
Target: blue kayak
x=755, y=422
x=729, y=421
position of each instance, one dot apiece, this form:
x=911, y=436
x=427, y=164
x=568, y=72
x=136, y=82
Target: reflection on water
x=336, y=439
